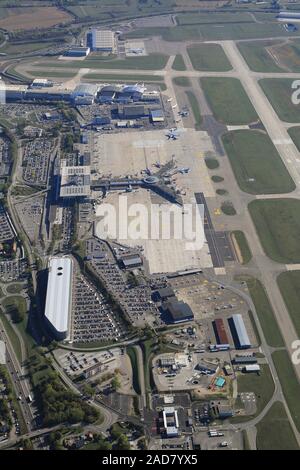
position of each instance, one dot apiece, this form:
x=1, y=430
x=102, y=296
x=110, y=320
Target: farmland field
x=14, y=19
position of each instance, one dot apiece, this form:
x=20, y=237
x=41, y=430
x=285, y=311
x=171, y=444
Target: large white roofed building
x=59, y=296
x=103, y=40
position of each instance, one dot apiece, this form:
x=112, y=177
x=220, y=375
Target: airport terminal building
x=59, y=297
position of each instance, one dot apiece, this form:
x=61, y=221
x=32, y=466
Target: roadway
x=19, y=381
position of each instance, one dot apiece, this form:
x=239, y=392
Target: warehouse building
x=101, y=40
x=59, y=297
x=131, y=112
x=289, y=16
x=131, y=261
x=251, y=368
x=245, y=360
x=177, y=311
x=164, y=294
x=239, y=332
x=41, y=83
x=78, y=52
x=157, y=115
x=220, y=331
x=85, y=93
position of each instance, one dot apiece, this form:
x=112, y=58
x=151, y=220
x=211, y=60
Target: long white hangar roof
x=58, y=297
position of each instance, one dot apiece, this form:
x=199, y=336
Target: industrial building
x=164, y=294
x=289, y=16
x=157, y=115
x=239, y=332
x=131, y=112
x=101, y=40
x=121, y=93
x=78, y=51
x=131, y=261
x=177, y=311
x=59, y=297
x=170, y=421
x=245, y=360
x=251, y=368
x=220, y=331
x=84, y=93
x=75, y=181
x=41, y=83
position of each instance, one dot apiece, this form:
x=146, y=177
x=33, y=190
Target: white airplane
x=136, y=51
x=172, y=136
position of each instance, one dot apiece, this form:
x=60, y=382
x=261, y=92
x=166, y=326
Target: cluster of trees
x=4, y=400
x=4, y=412
x=16, y=309
x=57, y=404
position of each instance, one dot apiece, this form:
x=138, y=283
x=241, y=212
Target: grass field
x=12, y=336
x=213, y=32
x=213, y=18
x=179, y=63
x=228, y=100
x=289, y=285
x=124, y=77
x=265, y=313
x=289, y=55
x=14, y=288
x=50, y=73
x=155, y=61
x=277, y=224
x=262, y=385
x=208, y=57
x=195, y=108
x=279, y=93
x=182, y=81
x=243, y=246
x=256, y=163
x=274, y=431
x=257, y=57
x=134, y=364
x=289, y=383
x=14, y=49
x=294, y=133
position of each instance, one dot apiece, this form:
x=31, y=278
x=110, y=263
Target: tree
x=115, y=383
x=122, y=443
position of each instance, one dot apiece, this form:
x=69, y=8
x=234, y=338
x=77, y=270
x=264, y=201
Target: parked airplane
x=183, y=170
